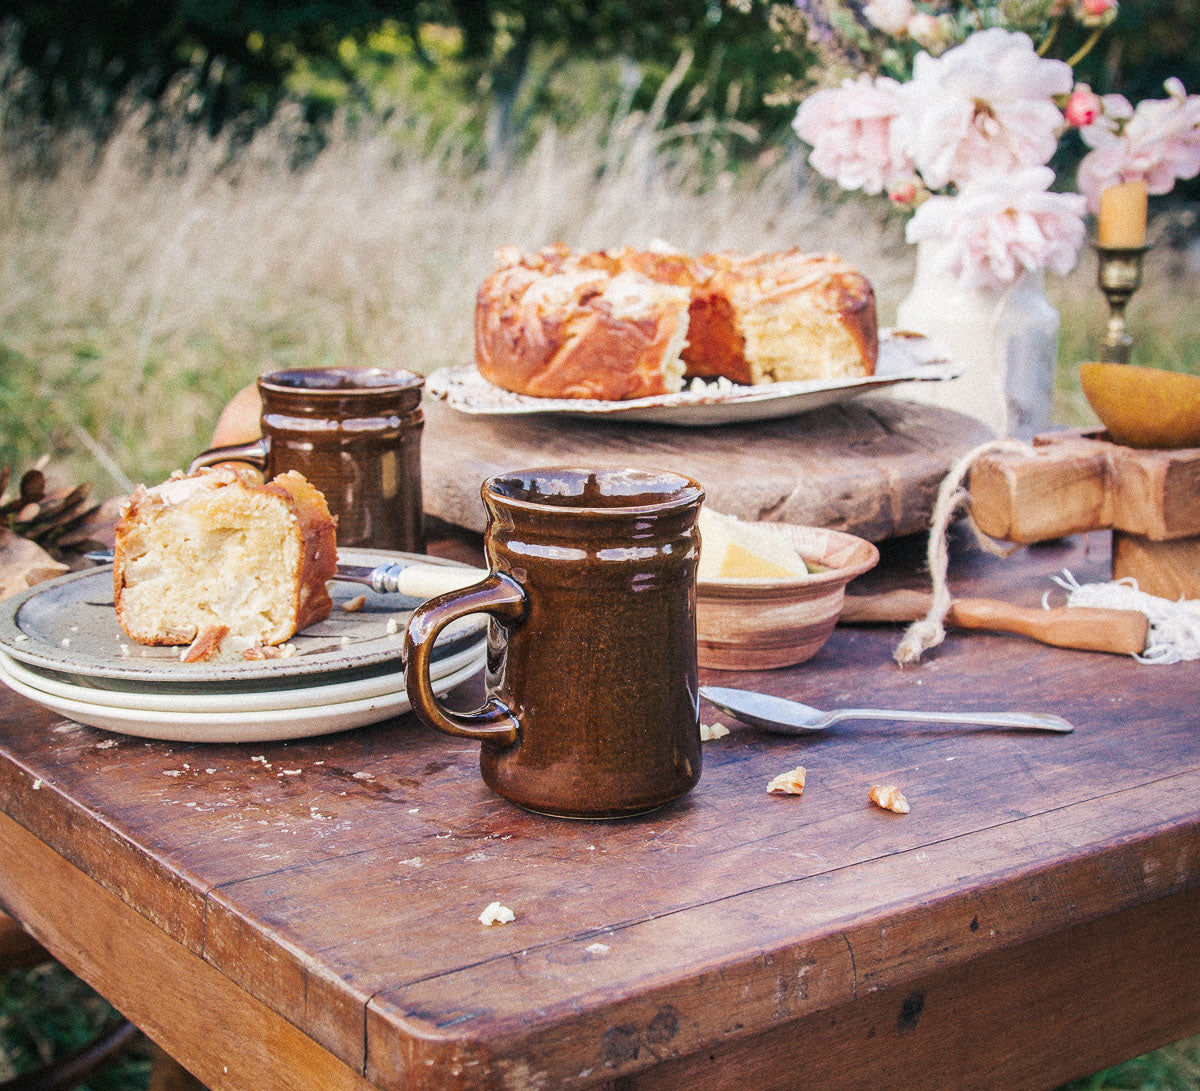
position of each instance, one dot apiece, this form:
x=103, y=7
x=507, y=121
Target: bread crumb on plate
x=496, y=913
x=889, y=797
x=790, y=783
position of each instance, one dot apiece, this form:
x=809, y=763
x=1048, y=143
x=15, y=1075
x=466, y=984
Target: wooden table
x=304, y=916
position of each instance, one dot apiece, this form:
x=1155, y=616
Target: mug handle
x=254, y=452
x=496, y=594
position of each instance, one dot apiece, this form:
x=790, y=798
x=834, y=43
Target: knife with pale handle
x=414, y=579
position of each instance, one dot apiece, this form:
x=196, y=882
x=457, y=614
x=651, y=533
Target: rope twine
x=930, y=631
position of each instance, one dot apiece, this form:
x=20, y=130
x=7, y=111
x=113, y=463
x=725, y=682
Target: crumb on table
x=889, y=797
x=790, y=783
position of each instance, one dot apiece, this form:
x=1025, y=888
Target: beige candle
x=1123, y=216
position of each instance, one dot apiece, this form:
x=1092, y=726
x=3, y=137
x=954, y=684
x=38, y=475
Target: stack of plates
x=60, y=646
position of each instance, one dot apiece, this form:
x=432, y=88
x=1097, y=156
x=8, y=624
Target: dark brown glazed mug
x=593, y=699
x=355, y=433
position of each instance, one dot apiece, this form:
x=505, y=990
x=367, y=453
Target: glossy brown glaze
x=592, y=676
x=355, y=433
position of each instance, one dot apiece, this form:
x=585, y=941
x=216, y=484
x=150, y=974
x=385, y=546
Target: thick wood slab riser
x=870, y=467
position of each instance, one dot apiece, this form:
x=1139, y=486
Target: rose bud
x=1083, y=107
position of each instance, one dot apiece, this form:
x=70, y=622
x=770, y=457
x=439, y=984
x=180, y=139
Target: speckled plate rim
x=903, y=357
x=210, y=700
x=271, y=725
x=96, y=659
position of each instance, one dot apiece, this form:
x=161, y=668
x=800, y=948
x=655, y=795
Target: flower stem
x=1048, y=41
x=1086, y=48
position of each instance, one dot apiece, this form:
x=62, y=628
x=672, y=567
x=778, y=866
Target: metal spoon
x=792, y=718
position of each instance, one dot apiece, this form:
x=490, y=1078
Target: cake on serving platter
x=621, y=324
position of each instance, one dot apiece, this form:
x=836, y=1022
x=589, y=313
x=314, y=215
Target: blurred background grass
x=192, y=194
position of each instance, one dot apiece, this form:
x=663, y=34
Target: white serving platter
x=903, y=357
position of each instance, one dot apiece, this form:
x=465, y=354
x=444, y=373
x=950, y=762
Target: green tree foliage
x=483, y=50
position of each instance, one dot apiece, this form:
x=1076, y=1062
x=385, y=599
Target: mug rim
x=401, y=380
x=687, y=494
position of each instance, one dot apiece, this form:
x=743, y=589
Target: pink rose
x=930, y=31
x=996, y=229
x=1095, y=13
x=890, y=16
x=984, y=107
x=1158, y=141
x=1083, y=107
x=852, y=133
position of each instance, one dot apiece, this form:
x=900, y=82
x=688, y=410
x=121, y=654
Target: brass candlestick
x=1119, y=275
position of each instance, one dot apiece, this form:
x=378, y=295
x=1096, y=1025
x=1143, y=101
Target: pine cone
x=58, y=521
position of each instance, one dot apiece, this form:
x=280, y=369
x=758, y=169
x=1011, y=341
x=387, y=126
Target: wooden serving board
x=869, y=467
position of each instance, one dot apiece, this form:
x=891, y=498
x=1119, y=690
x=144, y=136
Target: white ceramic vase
x=1004, y=339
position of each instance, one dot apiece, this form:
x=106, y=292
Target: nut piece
x=497, y=914
x=708, y=732
x=790, y=783
x=889, y=797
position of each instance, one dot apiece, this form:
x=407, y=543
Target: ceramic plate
x=903, y=357
x=230, y=699
x=69, y=625
x=268, y=725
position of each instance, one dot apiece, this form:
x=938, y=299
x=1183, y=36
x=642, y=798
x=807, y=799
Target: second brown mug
x=593, y=698
x=355, y=433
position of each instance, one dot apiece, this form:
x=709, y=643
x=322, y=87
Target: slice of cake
x=215, y=551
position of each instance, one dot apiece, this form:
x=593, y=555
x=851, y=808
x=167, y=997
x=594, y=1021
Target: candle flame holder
x=1119, y=275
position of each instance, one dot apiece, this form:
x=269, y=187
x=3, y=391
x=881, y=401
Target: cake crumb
x=393, y=626
x=889, y=797
x=496, y=913
x=352, y=606
x=289, y=772
x=363, y=776
x=597, y=948
x=708, y=732
x=108, y=744
x=790, y=783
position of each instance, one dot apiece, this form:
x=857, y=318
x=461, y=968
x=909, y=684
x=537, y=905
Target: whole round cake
x=618, y=324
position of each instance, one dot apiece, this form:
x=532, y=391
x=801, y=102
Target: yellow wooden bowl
x=755, y=624
x=1144, y=406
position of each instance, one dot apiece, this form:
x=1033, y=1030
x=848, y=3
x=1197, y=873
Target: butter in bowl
x=769, y=594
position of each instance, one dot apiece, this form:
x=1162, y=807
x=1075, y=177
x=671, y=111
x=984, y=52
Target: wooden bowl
x=750, y=624
x=1144, y=406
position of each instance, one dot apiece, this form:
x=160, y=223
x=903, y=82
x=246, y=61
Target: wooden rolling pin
x=1087, y=628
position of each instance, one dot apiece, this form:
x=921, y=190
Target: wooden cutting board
x=870, y=466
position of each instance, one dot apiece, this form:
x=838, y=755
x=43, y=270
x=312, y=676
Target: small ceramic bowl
x=748, y=624
x=1144, y=406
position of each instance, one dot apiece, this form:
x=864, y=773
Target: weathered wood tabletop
x=304, y=915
